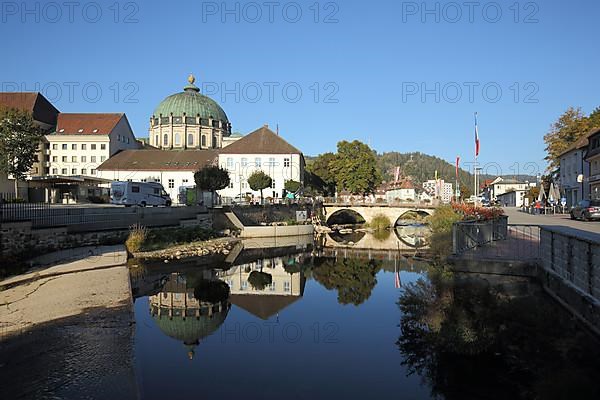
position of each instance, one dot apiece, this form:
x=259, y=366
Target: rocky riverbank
x=220, y=246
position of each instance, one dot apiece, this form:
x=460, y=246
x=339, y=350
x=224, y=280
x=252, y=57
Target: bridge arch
x=412, y=215
x=345, y=216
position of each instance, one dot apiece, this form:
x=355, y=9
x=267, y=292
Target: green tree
x=259, y=181
x=320, y=175
x=19, y=141
x=569, y=127
x=259, y=280
x=594, y=118
x=292, y=186
x=211, y=178
x=355, y=168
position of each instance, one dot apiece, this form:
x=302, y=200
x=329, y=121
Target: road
x=517, y=217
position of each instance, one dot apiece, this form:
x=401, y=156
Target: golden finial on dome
x=191, y=79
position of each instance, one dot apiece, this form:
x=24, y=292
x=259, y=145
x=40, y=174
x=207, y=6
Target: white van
x=139, y=194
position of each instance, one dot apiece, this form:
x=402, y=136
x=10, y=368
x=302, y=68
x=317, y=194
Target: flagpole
x=476, y=154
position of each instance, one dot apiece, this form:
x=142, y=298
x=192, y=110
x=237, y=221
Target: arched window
x=165, y=140
x=156, y=140
x=203, y=141
x=190, y=139
x=177, y=139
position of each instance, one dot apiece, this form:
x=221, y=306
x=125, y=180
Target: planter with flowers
x=479, y=226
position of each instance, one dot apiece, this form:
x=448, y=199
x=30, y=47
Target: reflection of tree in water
x=211, y=291
x=353, y=279
x=468, y=342
x=260, y=280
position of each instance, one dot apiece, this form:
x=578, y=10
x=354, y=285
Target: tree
x=259, y=181
x=211, y=178
x=320, y=174
x=292, y=186
x=355, y=168
x=19, y=141
x=353, y=279
x=594, y=118
x=259, y=280
x=569, y=127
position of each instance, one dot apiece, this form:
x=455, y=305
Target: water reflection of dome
x=182, y=317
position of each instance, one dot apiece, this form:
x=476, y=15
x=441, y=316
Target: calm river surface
x=302, y=325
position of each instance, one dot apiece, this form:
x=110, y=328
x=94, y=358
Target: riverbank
x=203, y=248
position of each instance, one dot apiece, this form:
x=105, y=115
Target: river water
x=300, y=323
x=294, y=320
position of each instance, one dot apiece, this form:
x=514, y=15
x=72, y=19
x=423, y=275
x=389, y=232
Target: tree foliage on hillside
x=355, y=168
x=19, y=141
x=569, y=127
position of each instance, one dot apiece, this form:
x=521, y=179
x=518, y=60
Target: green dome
x=191, y=329
x=192, y=103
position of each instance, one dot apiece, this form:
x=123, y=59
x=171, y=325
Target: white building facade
x=84, y=141
x=261, y=150
x=439, y=189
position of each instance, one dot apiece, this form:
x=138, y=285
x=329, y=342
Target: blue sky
x=387, y=72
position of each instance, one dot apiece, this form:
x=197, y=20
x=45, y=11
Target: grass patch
x=137, y=238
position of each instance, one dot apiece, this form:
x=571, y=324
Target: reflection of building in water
x=287, y=285
x=181, y=316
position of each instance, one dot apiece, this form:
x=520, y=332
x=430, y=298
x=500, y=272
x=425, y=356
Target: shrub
x=443, y=218
x=137, y=238
x=380, y=222
x=211, y=291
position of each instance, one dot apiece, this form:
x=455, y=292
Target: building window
x=243, y=185
x=165, y=140
x=93, y=146
x=83, y=158
x=286, y=162
x=258, y=162
x=190, y=139
x=54, y=158
x=64, y=158
x=73, y=171
x=286, y=286
x=171, y=183
x=177, y=139
x=244, y=162
x=93, y=171
x=83, y=171
x=74, y=146
x=74, y=159
x=203, y=141
x=103, y=146
x=84, y=146
x=229, y=163
x=55, y=171
x=63, y=171
x=272, y=161
x=102, y=158
x=273, y=183
x=54, y=146
x=230, y=185
x=64, y=146
x=156, y=142
x=93, y=158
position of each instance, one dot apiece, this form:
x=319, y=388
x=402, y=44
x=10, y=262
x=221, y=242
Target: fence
x=93, y=218
x=497, y=240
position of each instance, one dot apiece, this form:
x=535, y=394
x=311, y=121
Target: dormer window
x=95, y=131
x=80, y=131
x=62, y=130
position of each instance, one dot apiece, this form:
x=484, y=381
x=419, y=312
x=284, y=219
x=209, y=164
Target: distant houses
x=580, y=169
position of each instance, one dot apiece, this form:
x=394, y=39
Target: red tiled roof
x=35, y=103
x=87, y=124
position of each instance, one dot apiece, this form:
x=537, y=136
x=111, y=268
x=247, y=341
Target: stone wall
x=570, y=261
x=257, y=215
x=18, y=239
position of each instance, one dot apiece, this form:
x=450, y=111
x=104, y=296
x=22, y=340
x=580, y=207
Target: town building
x=405, y=192
x=593, y=159
x=437, y=188
x=512, y=198
x=189, y=120
x=263, y=150
x=82, y=142
x=574, y=171
x=501, y=185
x=44, y=115
x=174, y=169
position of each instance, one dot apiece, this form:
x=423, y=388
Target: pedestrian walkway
x=516, y=217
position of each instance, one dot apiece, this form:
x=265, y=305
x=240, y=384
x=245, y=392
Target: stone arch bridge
x=369, y=211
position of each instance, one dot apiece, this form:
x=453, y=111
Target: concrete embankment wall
x=570, y=270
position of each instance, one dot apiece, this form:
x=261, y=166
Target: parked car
x=586, y=210
x=139, y=194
